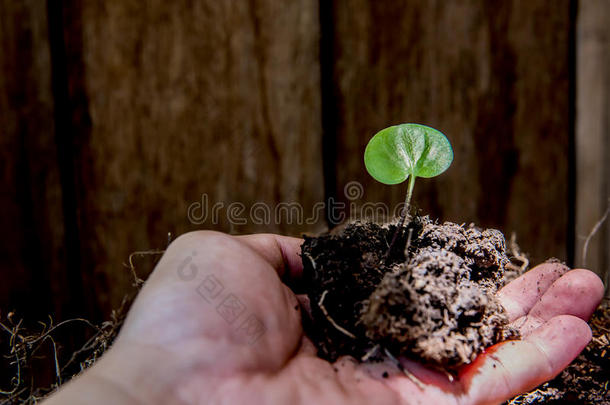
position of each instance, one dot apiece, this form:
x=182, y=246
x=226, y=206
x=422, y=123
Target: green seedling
x=407, y=151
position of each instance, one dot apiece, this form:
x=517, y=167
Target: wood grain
x=161, y=106
x=494, y=77
x=187, y=101
x=593, y=135
x=32, y=255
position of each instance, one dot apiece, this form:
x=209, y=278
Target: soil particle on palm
x=586, y=380
x=431, y=297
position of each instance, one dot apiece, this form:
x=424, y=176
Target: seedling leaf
x=404, y=150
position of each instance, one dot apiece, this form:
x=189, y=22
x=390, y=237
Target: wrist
x=91, y=389
x=133, y=376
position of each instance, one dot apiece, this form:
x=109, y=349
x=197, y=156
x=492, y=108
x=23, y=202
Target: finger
x=511, y=368
x=282, y=252
x=577, y=293
x=305, y=304
x=520, y=295
x=307, y=348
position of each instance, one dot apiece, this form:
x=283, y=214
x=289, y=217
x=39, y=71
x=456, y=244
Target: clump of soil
x=430, y=297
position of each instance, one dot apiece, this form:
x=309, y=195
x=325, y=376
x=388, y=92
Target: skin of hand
x=217, y=323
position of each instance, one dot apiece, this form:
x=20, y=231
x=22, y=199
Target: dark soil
x=431, y=297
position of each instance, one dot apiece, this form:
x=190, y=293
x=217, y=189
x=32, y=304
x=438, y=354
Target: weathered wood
x=593, y=135
x=32, y=257
x=166, y=102
x=188, y=100
x=494, y=77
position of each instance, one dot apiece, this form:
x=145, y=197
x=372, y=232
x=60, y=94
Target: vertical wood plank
x=593, y=135
x=188, y=101
x=493, y=76
x=32, y=256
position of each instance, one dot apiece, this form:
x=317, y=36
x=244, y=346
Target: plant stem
x=403, y=215
x=409, y=194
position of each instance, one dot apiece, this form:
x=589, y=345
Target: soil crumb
x=431, y=297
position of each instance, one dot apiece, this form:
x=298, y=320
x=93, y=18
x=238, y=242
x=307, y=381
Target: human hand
x=181, y=344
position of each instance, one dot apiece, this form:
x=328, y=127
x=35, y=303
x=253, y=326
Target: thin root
x=598, y=225
x=313, y=262
x=408, y=245
x=517, y=254
x=406, y=372
x=137, y=280
x=331, y=320
x=369, y=353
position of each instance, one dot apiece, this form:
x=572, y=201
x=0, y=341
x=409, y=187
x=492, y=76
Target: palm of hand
x=220, y=326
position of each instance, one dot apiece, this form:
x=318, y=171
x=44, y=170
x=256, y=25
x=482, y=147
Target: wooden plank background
x=119, y=118
x=187, y=99
x=593, y=136
x=32, y=252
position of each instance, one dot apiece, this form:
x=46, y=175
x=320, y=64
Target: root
x=517, y=254
x=313, y=262
x=408, y=245
x=331, y=320
x=370, y=353
x=406, y=372
x=24, y=347
x=598, y=225
x=137, y=281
